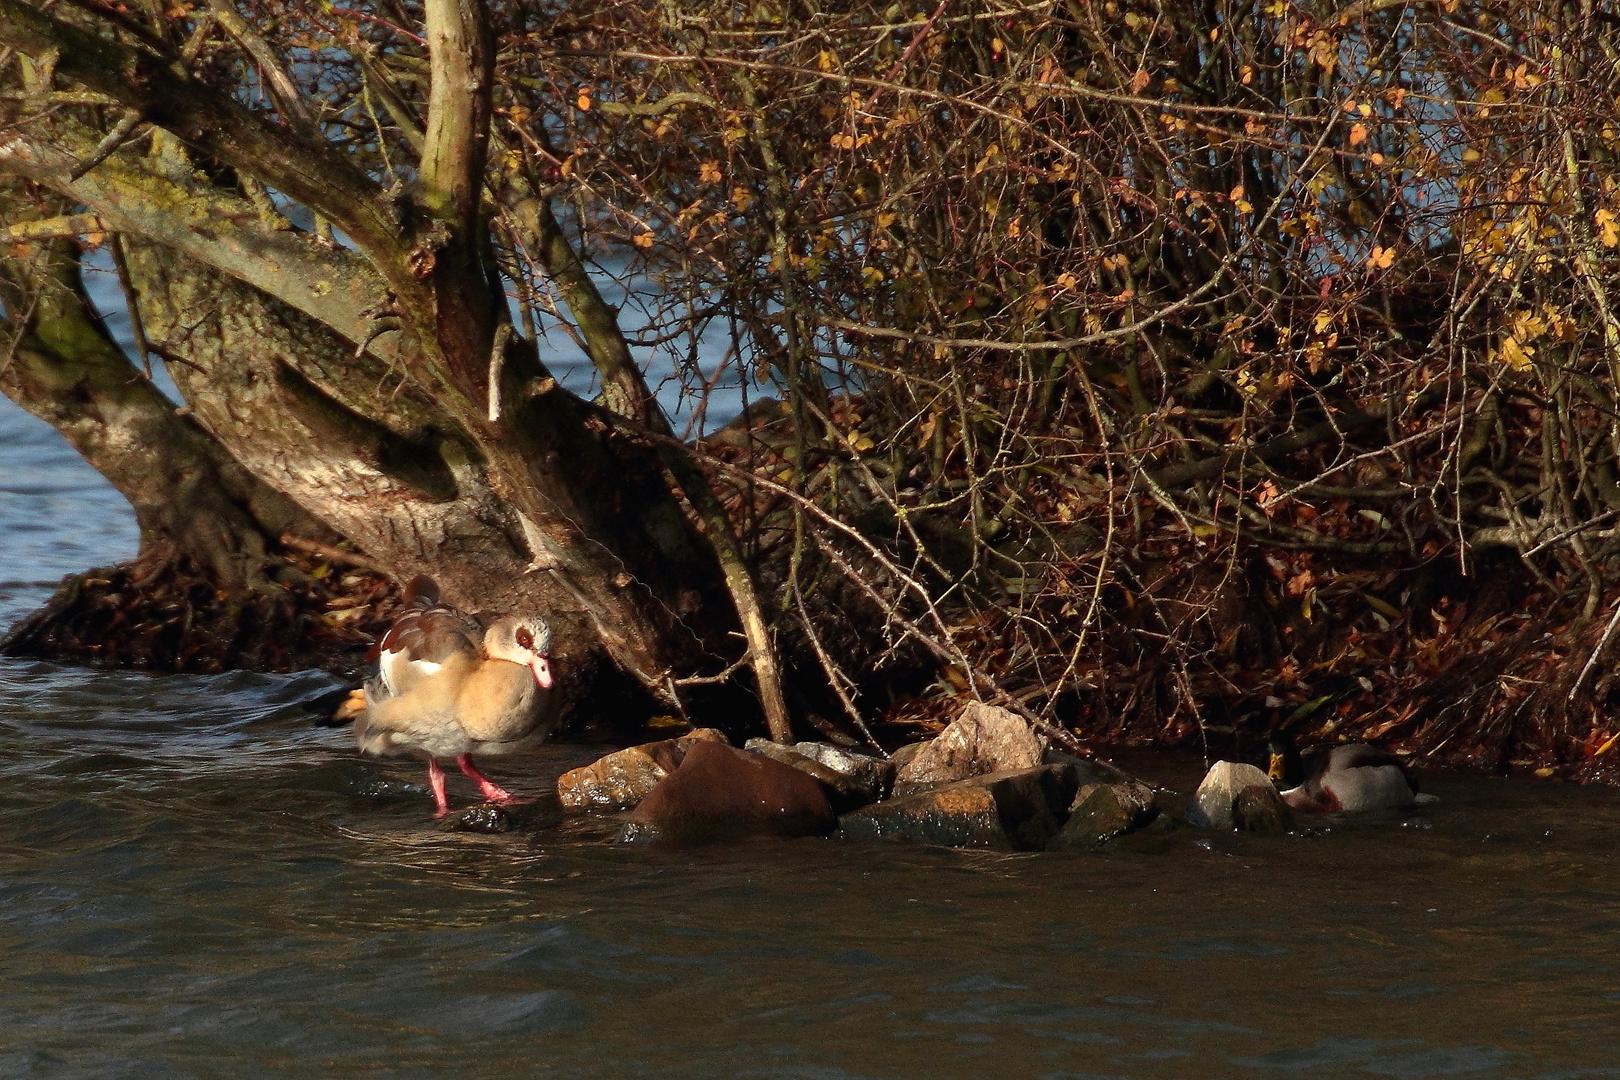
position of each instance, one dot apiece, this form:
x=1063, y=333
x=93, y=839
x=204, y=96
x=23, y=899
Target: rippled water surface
x=196, y=882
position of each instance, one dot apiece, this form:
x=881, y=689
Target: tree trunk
x=380, y=388
x=208, y=526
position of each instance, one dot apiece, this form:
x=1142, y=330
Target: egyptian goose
x=449, y=684
x=1325, y=779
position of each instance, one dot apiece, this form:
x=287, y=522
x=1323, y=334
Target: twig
x=1597, y=650
x=333, y=554
x=105, y=149
x=497, y=358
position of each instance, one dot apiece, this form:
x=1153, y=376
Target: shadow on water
x=197, y=882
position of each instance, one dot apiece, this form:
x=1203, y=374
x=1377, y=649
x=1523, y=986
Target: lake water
x=197, y=882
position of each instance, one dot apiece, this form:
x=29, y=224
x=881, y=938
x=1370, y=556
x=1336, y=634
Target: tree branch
x=306, y=171
x=461, y=45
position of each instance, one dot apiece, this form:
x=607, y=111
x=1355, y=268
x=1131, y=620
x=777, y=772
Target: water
x=197, y=882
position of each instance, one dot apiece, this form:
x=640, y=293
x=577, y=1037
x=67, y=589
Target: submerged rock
x=984, y=739
x=720, y=792
x=526, y=815
x=1021, y=808
x=851, y=780
x=623, y=778
x=1238, y=796
x=1103, y=811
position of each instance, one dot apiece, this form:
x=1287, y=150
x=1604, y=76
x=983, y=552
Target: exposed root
x=159, y=613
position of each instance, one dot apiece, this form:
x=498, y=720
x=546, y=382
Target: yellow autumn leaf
x=741, y=199
x=643, y=240
x=1380, y=258
x=709, y=172
x=583, y=101
x=1608, y=228
x=1515, y=355
x=1358, y=134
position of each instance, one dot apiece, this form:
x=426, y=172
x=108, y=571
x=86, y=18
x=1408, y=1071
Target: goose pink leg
x=441, y=805
x=492, y=792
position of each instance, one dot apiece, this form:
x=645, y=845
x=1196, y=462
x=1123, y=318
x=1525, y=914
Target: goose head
x=521, y=639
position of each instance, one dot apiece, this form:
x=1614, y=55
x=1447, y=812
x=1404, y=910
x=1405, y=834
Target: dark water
x=195, y=882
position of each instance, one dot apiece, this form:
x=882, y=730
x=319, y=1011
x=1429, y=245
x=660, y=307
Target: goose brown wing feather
x=433, y=634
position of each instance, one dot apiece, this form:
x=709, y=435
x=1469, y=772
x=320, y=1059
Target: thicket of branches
x=1191, y=364
x=1159, y=367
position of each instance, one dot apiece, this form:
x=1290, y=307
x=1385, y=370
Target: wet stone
x=984, y=739
x=851, y=780
x=1022, y=808
x=623, y=778
x=719, y=792
x=1090, y=770
x=485, y=818
x=1102, y=812
x=1238, y=796
x=524, y=815
x=1261, y=811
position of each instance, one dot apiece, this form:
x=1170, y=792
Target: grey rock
x=852, y=779
x=623, y=778
x=1238, y=796
x=984, y=739
x=1019, y=808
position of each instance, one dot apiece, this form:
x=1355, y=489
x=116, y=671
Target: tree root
x=159, y=613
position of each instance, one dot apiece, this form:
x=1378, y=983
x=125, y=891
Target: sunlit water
x=197, y=882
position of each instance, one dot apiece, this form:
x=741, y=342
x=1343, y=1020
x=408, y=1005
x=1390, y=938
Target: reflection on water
x=196, y=882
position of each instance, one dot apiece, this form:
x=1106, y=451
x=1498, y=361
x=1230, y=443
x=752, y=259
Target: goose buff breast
x=449, y=684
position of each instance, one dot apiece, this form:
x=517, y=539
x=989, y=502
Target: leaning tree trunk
x=381, y=388
x=217, y=588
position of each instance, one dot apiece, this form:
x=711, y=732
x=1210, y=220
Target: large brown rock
x=719, y=792
x=1238, y=796
x=1021, y=808
x=623, y=778
x=984, y=739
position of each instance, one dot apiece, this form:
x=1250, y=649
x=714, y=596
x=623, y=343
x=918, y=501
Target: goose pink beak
x=542, y=672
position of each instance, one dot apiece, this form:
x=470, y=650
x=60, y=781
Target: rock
x=1090, y=770
x=841, y=792
x=524, y=815
x=1237, y=796
x=1020, y=808
x=852, y=780
x=984, y=739
x=623, y=778
x=872, y=773
x=1103, y=811
x=902, y=757
x=1262, y=811
x=719, y=791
